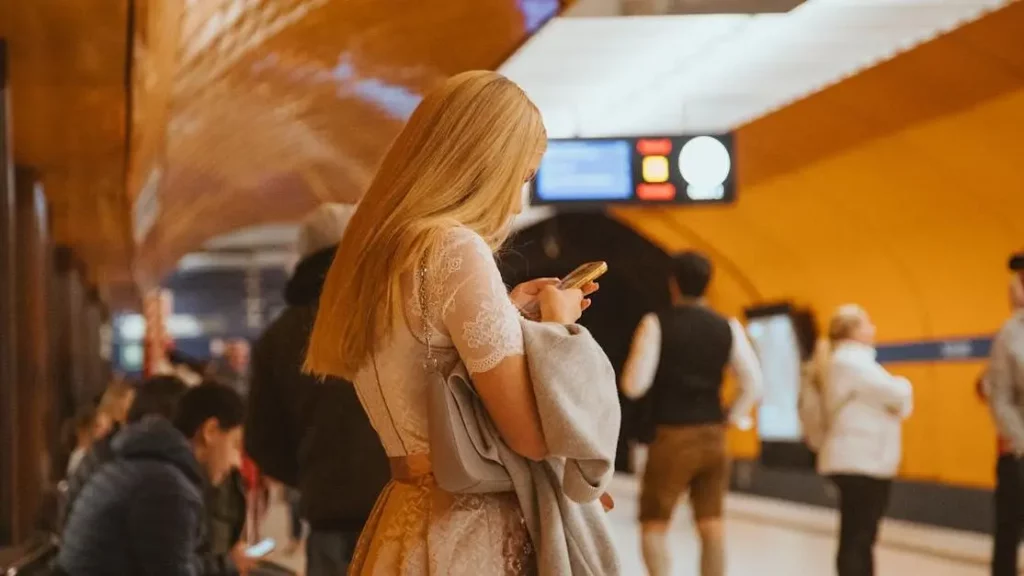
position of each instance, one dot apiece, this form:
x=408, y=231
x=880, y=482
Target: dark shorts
x=681, y=460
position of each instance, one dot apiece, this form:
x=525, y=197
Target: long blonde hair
x=845, y=321
x=461, y=160
x=117, y=400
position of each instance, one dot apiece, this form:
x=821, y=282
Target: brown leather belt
x=409, y=469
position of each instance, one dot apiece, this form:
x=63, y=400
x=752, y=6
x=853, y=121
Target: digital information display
x=591, y=170
x=774, y=340
x=658, y=170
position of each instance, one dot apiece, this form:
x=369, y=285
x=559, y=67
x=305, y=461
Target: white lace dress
x=417, y=528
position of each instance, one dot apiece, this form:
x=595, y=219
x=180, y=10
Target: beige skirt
x=416, y=528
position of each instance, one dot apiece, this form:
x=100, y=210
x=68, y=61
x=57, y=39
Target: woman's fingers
x=533, y=287
x=525, y=294
x=585, y=304
x=591, y=288
x=607, y=502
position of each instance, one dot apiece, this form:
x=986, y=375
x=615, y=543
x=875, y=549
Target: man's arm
x=163, y=527
x=744, y=363
x=1001, y=393
x=644, y=355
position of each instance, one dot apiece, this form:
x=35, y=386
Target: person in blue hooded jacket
x=142, y=513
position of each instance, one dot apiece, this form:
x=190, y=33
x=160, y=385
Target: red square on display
x=656, y=192
x=654, y=146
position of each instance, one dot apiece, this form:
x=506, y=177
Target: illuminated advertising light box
x=698, y=169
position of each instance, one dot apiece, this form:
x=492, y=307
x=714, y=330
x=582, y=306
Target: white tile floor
x=768, y=538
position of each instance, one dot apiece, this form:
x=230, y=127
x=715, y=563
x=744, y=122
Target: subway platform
x=765, y=538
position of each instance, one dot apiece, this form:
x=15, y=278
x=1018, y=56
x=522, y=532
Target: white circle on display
x=704, y=163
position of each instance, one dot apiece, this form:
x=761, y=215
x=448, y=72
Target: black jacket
x=225, y=522
x=311, y=434
x=141, y=513
x=224, y=508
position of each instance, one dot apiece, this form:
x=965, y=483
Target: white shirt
x=645, y=353
x=75, y=460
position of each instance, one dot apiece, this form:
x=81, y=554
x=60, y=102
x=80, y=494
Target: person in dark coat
x=157, y=396
x=222, y=551
x=225, y=504
x=310, y=434
x=143, y=512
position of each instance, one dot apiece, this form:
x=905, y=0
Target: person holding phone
x=679, y=356
x=414, y=282
x=143, y=512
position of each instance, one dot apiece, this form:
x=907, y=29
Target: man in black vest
x=680, y=356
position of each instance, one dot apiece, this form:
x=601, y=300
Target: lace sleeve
x=477, y=313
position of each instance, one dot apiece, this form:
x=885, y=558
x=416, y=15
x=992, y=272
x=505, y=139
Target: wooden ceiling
x=68, y=98
x=242, y=112
x=258, y=113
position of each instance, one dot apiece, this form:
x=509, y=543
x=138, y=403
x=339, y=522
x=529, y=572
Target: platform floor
x=766, y=538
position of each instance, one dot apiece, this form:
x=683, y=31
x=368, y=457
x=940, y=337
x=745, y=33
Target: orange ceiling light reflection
x=253, y=115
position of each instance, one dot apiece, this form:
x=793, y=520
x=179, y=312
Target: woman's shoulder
x=459, y=244
x=463, y=258
x=853, y=353
x=461, y=236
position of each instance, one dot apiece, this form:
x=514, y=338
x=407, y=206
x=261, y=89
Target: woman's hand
x=526, y=296
x=561, y=306
x=243, y=564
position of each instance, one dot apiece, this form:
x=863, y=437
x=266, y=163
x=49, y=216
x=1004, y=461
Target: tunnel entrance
x=634, y=285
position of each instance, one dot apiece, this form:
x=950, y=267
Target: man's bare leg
x=712, y=540
x=654, y=540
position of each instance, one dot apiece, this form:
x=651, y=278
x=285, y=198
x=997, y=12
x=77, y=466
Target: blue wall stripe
x=946, y=350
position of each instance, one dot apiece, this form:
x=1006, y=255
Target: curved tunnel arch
x=897, y=189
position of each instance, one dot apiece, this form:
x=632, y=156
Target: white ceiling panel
x=604, y=76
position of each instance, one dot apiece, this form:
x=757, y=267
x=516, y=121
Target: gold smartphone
x=583, y=275
x=578, y=278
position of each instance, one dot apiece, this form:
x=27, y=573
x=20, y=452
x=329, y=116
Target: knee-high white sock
x=656, y=555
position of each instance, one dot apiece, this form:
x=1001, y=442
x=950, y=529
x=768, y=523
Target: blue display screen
x=585, y=171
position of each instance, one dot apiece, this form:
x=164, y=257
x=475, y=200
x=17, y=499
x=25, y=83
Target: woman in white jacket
x=863, y=409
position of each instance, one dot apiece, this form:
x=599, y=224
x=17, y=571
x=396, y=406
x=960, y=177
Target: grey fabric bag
x=462, y=460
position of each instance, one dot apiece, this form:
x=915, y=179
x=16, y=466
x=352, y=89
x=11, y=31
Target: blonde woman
x=863, y=407
x=415, y=277
x=117, y=401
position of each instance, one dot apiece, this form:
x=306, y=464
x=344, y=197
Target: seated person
x=90, y=424
x=117, y=400
x=157, y=396
x=223, y=550
x=143, y=512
